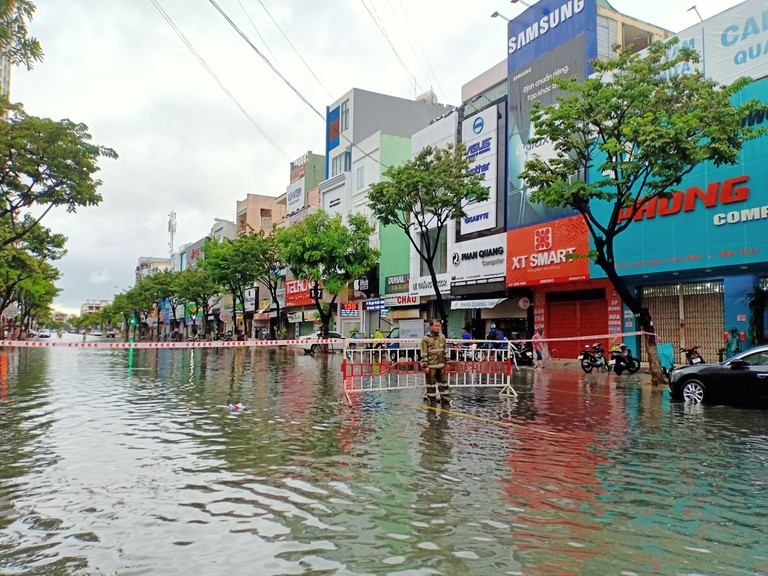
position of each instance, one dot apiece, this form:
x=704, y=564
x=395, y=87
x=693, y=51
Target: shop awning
x=475, y=304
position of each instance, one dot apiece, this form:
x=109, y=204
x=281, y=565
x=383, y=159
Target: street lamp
x=498, y=15
x=697, y=12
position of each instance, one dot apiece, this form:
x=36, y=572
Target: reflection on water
x=131, y=462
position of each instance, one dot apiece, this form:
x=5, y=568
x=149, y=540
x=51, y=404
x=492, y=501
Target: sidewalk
x=573, y=365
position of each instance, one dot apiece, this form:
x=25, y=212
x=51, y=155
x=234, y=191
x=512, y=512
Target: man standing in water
x=434, y=354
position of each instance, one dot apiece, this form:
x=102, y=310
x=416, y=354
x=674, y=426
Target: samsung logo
x=549, y=21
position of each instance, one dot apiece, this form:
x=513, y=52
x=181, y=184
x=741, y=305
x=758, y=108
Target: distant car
x=97, y=333
x=741, y=380
x=44, y=333
x=309, y=342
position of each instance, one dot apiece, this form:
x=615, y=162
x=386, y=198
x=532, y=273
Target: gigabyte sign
x=477, y=217
x=545, y=24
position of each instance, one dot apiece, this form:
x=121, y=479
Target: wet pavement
x=133, y=462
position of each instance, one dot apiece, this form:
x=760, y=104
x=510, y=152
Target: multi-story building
x=149, y=265
x=365, y=133
x=257, y=212
x=93, y=306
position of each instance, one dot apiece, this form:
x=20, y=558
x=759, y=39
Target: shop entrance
x=687, y=315
x=572, y=315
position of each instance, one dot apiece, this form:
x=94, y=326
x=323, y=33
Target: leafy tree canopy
x=20, y=48
x=421, y=196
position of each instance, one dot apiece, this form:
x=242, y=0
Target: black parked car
x=741, y=380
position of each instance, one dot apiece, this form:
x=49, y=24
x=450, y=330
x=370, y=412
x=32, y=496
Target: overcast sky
x=119, y=67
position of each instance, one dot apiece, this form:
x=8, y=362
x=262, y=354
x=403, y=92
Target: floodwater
x=131, y=463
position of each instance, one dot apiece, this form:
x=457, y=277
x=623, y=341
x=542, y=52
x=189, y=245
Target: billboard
x=480, y=259
x=732, y=44
x=546, y=25
x=530, y=84
x=542, y=254
x=480, y=134
x=718, y=217
x=295, y=196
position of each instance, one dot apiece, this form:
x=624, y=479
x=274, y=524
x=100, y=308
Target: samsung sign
x=294, y=196
x=546, y=25
x=480, y=135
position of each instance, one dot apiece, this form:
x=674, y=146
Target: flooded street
x=131, y=462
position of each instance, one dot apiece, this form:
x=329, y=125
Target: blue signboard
x=718, y=217
x=545, y=25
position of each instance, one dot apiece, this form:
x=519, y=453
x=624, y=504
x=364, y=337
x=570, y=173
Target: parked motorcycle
x=622, y=359
x=467, y=352
x=692, y=355
x=522, y=354
x=593, y=357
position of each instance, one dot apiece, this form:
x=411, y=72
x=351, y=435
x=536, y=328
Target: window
x=360, y=178
x=441, y=256
x=341, y=163
x=344, y=120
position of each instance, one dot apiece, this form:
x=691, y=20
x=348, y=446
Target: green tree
x=198, y=291
x=637, y=129
x=35, y=295
x=422, y=196
x=321, y=249
x=268, y=265
x=155, y=289
x=230, y=264
x=15, y=44
x=47, y=164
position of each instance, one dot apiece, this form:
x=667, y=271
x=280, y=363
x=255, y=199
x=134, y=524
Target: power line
x=430, y=71
x=218, y=81
x=386, y=37
x=257, y=31
x=284, y=79
x=308, y=67
x=266, y=60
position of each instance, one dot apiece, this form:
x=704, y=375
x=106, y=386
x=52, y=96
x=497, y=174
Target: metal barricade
x=376, y=365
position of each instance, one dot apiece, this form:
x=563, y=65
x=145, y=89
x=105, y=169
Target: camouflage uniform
x=434, y=355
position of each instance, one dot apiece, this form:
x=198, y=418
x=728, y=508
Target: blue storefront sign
x=718, y=217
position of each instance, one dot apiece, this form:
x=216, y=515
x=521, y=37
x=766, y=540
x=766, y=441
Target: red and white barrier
x=172, y=345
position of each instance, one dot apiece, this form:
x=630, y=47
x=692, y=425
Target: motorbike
x=692, y=355
x=622, y=359
x=593, y=357
x=521, y=353
x=467, y=353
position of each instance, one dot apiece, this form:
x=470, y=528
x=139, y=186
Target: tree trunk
x=649, y=338
x=644, y=320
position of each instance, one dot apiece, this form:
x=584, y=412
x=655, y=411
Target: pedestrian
x=538, y=347
x=434, y=354
x=466, y=335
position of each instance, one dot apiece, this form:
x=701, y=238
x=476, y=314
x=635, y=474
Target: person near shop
x=434, y=355
x=466, y=335
x=492, y=335
x=538, y=347
x=378, y=335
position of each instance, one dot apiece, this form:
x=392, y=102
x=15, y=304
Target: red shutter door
x=574, y=319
